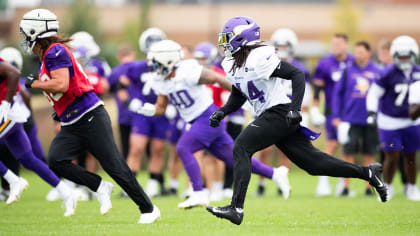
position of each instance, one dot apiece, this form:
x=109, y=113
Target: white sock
x=173, y=183
x=64, y=190
x=10, y=177
x=262, y=183
x=217, y=186
x=101, y=186
x=323, y=179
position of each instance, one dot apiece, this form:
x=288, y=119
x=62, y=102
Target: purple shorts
x=176, y=129
x=152, y=127
x=331, y=130
x=206, y=135
x=15, y=139
x=406, y=140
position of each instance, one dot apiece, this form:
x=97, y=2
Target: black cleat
x=279, y=192
x=260, y=191
x=235, y=215
x=369, y=192
x=375, y=171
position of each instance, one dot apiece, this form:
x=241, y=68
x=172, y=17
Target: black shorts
x=363, y=139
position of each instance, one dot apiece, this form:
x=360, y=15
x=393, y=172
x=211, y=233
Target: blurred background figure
x=387, y=104
x=350, y=114
x=327, y=73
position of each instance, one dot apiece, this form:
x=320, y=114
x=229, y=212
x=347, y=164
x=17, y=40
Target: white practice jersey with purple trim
x=190, y=98
x=253, y=79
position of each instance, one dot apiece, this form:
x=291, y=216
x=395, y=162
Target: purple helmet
x=238, y=32
x=205, y=50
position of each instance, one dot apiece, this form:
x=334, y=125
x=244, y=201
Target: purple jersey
x=394, y=102
x=301, y=67
x=138, y=73
x=125, y=116
x=349, y=96
x=329, y=70
x=56, y=58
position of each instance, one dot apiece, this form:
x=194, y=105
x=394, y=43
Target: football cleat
x=53, y=195
x=413, y=193
x=104, y=196
x=197, y=198
x=147, y=218
x=70, y=204
x=16, y=190
x=152, y=188
x=234, y=215
x=375, y=180
x=280, y=177
x=260, y=191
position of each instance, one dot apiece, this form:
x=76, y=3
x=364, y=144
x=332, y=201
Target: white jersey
x=253, y=79
x=190, y=98
x=414, y=93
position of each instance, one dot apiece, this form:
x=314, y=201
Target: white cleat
x=53, y=195
x=198, y=198
x=280, y=177
x=147, y=218
x=104, y=196
x=340, y=187
x=323, y=188
x=413, y=193
x=71, y=203
x=152, y=188
x=390, y=190
x=16, y=190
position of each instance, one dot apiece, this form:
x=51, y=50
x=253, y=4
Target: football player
x=387, y=104
x=254, y=70
x=349, y=111
x=327, y=73
x=85, y=124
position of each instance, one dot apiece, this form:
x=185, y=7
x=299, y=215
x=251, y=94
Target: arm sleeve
x=338, y=93
x=234, y=102
x=56, y=58
x=288, y=71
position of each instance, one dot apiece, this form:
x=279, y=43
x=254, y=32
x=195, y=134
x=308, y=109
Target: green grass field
x=303, y=214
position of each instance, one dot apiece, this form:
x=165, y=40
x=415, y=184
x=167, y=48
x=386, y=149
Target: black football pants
x=93, y=133
x=271, y=128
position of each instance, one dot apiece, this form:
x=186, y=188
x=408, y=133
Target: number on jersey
x=253, y=91
x=181, y=98
x=401, y=90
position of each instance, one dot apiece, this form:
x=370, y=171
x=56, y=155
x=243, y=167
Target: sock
x=64, y=190
x=217, y=186
x=174, y=184
x=101, y=186
x=70, y=183
x=261, y=183
x=11, y=177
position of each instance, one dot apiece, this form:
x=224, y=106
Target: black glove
x=371, y=119
x=293, y=118
x=216, y=117
x=55, y=116
x=30, y=79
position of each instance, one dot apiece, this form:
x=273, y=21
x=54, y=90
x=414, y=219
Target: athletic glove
x=371, y=119
x=216, y=117
x=316, y=116
x=55, y=116
x=4, y=110
x=29, y=81
x=293, y=118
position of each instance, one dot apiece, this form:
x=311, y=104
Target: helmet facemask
x=404, y=60
x=25, y=42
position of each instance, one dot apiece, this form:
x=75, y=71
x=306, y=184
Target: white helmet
x=12, y=56
x=149, y=37
x=164, y=55
x=36, y=24
x=404, y=46
x=84, y=45
x=285, y=37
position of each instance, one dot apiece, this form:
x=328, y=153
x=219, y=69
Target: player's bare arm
x=211, y=77
x=59, y=82
x=12, y=77
x=161, y=104
x=414, y=111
